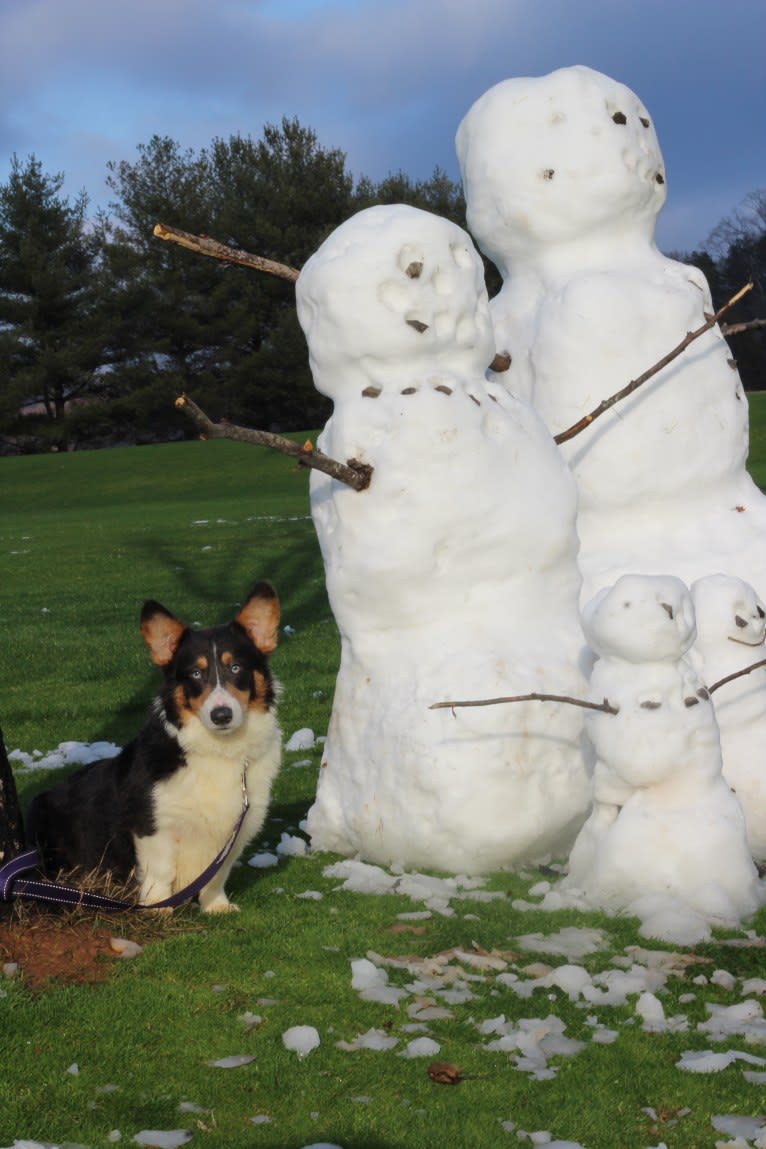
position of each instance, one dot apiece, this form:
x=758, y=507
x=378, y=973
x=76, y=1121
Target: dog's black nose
x=221, y=715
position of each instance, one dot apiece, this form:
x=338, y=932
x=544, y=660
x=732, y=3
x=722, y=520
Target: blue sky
x=83, y=82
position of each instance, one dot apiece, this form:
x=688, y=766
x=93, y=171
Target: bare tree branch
x=736, y=674
x=353, y=473
x=204, y=245
x=728, y=329
x=582, y=424
x=535, y=697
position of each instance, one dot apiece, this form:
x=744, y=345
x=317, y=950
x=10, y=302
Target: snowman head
x=642, y=618
x=727, y=610
x=392, y=292
x=552, y=158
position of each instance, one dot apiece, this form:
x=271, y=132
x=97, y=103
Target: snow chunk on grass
x=163, y=1138
x=301, y=1039
x=263, y=860
x=706, y=1061
x=302, y=739
x=421, y=1047
x=232, y=1062
x=376, y=1039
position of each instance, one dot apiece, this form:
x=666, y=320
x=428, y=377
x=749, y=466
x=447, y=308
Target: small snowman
x=731, y=626
x=454, y=574
x=564, y=179
x=664, y=821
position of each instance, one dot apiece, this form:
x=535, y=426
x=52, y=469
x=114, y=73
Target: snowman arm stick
x=581, y=424
x=736, y=674
x=204, y=245
x=728, y=329
x=353, y=473
x=535, y=697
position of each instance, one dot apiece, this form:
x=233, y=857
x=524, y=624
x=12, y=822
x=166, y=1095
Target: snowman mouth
x=744, y=642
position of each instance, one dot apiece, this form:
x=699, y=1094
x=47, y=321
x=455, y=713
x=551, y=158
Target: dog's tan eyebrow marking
x=201, y=662
x=227, y=658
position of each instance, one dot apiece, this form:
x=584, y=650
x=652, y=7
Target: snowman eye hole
x=761, y=612
x=668, y=608
x=644, y=121
x=741, y=622
x=620, y=118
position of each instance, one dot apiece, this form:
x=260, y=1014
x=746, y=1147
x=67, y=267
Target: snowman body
x=452, y=576
x=731, y=625
x=564, y=179
x=664, y=820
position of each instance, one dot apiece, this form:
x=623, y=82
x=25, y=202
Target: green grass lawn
x=84, y=538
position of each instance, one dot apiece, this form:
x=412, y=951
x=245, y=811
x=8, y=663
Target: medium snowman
x=664, y=820
x=564, y=179
x=731, y=625
x=453, y=575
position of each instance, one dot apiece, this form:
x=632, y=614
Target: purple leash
x=13, y=886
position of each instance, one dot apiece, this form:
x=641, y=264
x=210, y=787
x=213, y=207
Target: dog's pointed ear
x=259, y=617
x=160, y=631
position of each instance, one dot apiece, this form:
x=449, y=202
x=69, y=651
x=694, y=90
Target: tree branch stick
x=535, y=697
x=736, y=674
x=204, y=245
x=576, y=428
x=728, y=329
x=353, y=473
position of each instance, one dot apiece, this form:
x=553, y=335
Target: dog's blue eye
x=235, y=668
x=196, y=674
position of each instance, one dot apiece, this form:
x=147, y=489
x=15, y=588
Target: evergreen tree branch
x=353, y=473
x=535, y=697
x=582, y=424
x=204, y=245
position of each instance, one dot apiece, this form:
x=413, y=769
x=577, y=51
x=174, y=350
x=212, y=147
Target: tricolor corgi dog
x=167, y=804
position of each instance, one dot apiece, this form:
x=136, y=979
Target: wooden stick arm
x=204, y=245
x=582, y=424
x=353, y=473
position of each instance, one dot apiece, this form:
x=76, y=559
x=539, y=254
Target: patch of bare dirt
x=55, y=948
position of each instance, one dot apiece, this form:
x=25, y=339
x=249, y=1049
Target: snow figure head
x=727, y=610
x=392, y=290
x=642, y=618
x=552, y=158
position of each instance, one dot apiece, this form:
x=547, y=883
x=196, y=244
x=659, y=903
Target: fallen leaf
x=403, y=928
x=444, y=1073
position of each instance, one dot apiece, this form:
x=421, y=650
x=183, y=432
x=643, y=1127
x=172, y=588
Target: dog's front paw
x=219, y=905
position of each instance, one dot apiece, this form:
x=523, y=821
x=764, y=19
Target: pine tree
x=51, y=345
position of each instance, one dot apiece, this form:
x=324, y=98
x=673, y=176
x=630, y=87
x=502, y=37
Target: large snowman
x=453, y=575
x=665, y=824
x=564, y=179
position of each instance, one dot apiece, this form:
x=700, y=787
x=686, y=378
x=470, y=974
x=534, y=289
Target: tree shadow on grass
x=296, y=572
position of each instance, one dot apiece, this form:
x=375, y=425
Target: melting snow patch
x=436, y=893
x=163, y=1138
x=376, y=1039
x=302, y=739
x=748, y=1128
x=291, y=846
x=570, y=942
x=371, y=983
x=421, y=1047
x=65, y=754
x=706, y=1061
x=745, y=1019
x=263, y=860
x=301, y=1039
x=232, y=1062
